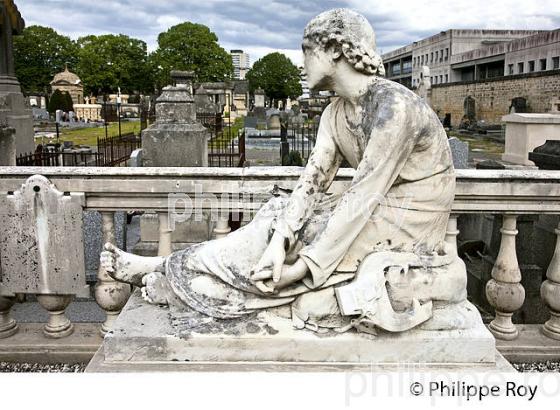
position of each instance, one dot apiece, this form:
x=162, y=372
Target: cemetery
x=218, y=226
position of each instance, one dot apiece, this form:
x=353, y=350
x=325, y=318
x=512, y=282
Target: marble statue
x=425, y=84
x=371, y=258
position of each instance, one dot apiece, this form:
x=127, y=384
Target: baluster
x=8, y=325
x=550, y=292
x=452, y=232
x=504, y=291
x=222, y=227
x=164, y=245
x=58, y=325
x=110, y=295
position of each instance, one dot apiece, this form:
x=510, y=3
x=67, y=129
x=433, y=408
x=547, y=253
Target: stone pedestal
x=525, y=132
x=145, y=334
x=176, y=139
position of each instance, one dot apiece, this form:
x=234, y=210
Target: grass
x=228, y=133
x=88, y=136
x=486, y=145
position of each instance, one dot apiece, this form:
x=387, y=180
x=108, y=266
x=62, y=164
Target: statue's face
x=318, y=65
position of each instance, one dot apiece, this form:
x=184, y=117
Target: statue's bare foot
x=156, y=288
x=127, y=267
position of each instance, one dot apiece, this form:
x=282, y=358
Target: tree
x=67, y=102
x=276, y=75
x=110, y=61
x=40, y=53
x=56, y=102
x=190, y=46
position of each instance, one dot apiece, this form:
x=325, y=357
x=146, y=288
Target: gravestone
x=547, y=156
x=40, y=114
x=176, y=139
x=41, y=248
x=460, y=153
x=469, y=113
x=273, y=122
x=518, y=105
x=251, y=121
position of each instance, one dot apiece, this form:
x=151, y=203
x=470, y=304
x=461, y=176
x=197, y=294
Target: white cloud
x=260, y=26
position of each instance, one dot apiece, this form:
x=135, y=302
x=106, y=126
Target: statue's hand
x=290, y=274
x=270, y=264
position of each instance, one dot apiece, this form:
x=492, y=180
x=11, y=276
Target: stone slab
x=531, y=346
x=147, y=333
x=98, y=364
x=29, y=344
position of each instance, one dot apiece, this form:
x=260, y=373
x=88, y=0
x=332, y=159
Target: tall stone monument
x=13, y=109
x=176, y=139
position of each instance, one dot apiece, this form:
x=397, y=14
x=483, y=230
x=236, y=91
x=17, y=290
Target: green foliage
x=68, y=103
x=276, y=75
x=293, y=159
x=110, y=61
x=40, y=53
x=191, y=46
x=56, y=102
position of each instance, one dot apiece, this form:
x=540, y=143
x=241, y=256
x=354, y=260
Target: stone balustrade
x=223, y=191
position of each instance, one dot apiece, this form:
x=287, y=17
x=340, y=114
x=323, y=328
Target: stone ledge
x=29, y=344
x=99, y=365
x=147, y=333
x=531, y=346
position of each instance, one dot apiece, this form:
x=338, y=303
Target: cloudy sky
x=262, y=26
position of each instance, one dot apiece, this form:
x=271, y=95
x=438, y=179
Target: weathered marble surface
x=41, y=242
x=147, y=333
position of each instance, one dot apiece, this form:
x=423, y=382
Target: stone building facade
x=439, y=52
x=70, y=82
x=493, y=97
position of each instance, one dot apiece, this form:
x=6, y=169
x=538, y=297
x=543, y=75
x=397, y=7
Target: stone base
x=145, y=335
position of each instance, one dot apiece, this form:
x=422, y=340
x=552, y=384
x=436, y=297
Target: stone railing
x=243, y=190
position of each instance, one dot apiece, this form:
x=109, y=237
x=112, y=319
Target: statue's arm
x=391, y=142
x=321, y=168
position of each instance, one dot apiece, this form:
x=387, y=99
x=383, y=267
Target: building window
x=446, y=78
x=531, y=66
x=441, y=79
x=542, y=64
x=519, y=68
x=422, y=60
x=446, y=54
x=437, y=52
x=510, y=69
x=432, y=57
x=441, y=56
x=555, y=63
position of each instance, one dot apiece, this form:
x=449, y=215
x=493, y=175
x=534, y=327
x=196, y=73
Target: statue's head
x=337, y=34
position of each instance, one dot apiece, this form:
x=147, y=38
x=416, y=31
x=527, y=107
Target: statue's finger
x=262, y=274
x=263, y=288
x=277, y=272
